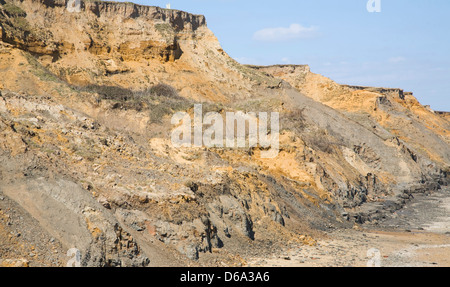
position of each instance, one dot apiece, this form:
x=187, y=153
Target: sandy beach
x=416, y=236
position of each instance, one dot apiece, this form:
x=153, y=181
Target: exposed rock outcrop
x=87, y=159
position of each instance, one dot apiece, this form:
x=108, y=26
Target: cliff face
x=35, y=29
x=393, y=109
x=87, y=159
x=122, y=43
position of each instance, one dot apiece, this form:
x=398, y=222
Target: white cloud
x=294, y=31
x=397, y=60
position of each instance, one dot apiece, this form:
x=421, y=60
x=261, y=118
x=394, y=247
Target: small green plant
x=40, y=71
x=21, y=24
x=13, y=10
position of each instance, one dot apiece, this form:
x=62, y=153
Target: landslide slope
x=86, y=160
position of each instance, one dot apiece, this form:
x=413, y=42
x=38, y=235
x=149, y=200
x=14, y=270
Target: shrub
x=191, y=185
x=109, y=92
x=320, y=141
x=160, y=100
x=293, y=120
x=13, y=10
x=40, y=71
x=163, y=90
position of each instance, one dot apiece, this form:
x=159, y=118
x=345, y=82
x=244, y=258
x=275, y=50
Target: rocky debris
x=84, y=225
x=232, y=216
x=14, y=263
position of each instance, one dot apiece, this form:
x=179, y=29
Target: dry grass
x=160, y=100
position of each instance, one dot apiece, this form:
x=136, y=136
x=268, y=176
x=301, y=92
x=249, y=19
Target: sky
x=405, y=45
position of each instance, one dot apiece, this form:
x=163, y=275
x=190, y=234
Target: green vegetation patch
x=13, y=10
x=40, y=71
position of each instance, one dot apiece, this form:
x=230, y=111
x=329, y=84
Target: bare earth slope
x=87, y=163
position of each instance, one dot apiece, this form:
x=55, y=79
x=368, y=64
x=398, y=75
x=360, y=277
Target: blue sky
x=406, y=45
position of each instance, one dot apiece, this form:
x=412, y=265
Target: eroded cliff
x=85, y=106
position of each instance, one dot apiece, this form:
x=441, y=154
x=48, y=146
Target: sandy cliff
x=86, y=159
